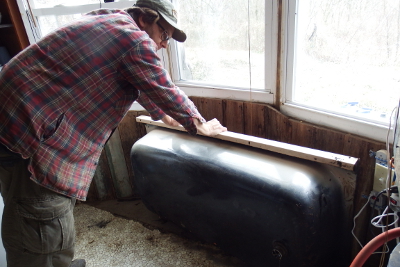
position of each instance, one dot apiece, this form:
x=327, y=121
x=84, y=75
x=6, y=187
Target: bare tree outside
x=226, y=41
x=347, y=56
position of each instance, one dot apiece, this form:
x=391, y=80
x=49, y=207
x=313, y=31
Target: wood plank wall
x=255, y=119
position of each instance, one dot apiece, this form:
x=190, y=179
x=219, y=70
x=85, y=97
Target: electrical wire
x=379, y=217
x=354, y=220
x=393, y=189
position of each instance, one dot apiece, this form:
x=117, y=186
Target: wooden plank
x=308, y=135
x=278, y=126
x=209, y=108
x=118, y=167
x=302, y=134
x=233, y=115
x=329, y=158
x=255, y=119
x=329, y=140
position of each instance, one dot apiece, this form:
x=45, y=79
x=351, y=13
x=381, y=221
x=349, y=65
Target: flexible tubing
x=373, y=245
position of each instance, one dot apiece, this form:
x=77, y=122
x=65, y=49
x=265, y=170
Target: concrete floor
x=112, y=233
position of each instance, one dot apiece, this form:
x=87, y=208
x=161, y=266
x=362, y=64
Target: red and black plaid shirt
x=62, y=97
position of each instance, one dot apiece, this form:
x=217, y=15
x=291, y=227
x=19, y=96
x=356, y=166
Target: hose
x=373, y=245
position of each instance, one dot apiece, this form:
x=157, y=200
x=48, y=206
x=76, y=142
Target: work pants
x=37, y=224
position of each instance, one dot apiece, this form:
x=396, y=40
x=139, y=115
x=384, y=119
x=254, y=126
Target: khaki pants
x=38, y=224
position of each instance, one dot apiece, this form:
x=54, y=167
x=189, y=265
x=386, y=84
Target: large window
x=345, y=57
x=231, y=49
x=226, y=42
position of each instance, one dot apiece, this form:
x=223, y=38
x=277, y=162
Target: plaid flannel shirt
x=63, y=96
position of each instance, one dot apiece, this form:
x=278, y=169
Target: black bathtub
x=265, y=208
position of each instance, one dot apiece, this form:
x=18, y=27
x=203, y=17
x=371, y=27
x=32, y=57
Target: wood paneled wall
x=113, y=179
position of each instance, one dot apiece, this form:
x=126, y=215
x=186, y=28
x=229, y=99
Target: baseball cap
x=167, y=10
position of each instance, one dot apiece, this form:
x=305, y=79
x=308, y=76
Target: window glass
x=220, y=48
x=50, y=23
x=348, y=57
x=52, y=3
x=52, y=14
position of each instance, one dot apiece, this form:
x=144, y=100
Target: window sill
x=354, y=126
x=226, y=93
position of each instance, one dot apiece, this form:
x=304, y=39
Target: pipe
x=373, y=245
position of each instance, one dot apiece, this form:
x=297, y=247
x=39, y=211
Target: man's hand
x=170, y=121
x=210, y=128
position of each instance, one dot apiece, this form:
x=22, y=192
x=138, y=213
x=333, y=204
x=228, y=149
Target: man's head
x=159, y=19
x=168, y=12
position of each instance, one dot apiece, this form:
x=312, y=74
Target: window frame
x=29, y=13
x=371, y=130
x=266, y=95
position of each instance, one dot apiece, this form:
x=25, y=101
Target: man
x=61, y=99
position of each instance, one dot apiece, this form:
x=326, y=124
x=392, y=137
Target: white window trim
x=245, y=94
x=68, y=10
x=61, y=10
x=371, y=130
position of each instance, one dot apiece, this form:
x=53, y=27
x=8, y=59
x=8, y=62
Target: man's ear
x=141, y=23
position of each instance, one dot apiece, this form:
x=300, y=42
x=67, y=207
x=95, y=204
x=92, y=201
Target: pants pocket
x=47, y=226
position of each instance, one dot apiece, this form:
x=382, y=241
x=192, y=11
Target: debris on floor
x=103, y=239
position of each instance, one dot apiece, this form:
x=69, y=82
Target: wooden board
x=278, y=126
x=255, y=119
x=209, y=108
x=233, y=116
x=342, y=161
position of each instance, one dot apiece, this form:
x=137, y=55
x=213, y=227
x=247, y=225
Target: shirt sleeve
x=143, y=69
x=155, y=112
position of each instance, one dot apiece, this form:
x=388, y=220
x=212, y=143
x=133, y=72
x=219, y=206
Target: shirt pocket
x=52, y=128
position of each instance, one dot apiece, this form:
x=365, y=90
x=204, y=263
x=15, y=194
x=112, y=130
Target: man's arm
x=142, y=68
x=209, y=128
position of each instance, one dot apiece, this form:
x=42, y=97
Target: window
x=343, y=58
x=227, y=47
x=44, y=16
x=224, y=38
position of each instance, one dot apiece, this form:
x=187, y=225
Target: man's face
x=160, y=32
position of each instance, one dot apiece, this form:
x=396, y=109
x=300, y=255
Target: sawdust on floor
x=106, y=240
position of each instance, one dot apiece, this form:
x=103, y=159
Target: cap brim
x=178, y=34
